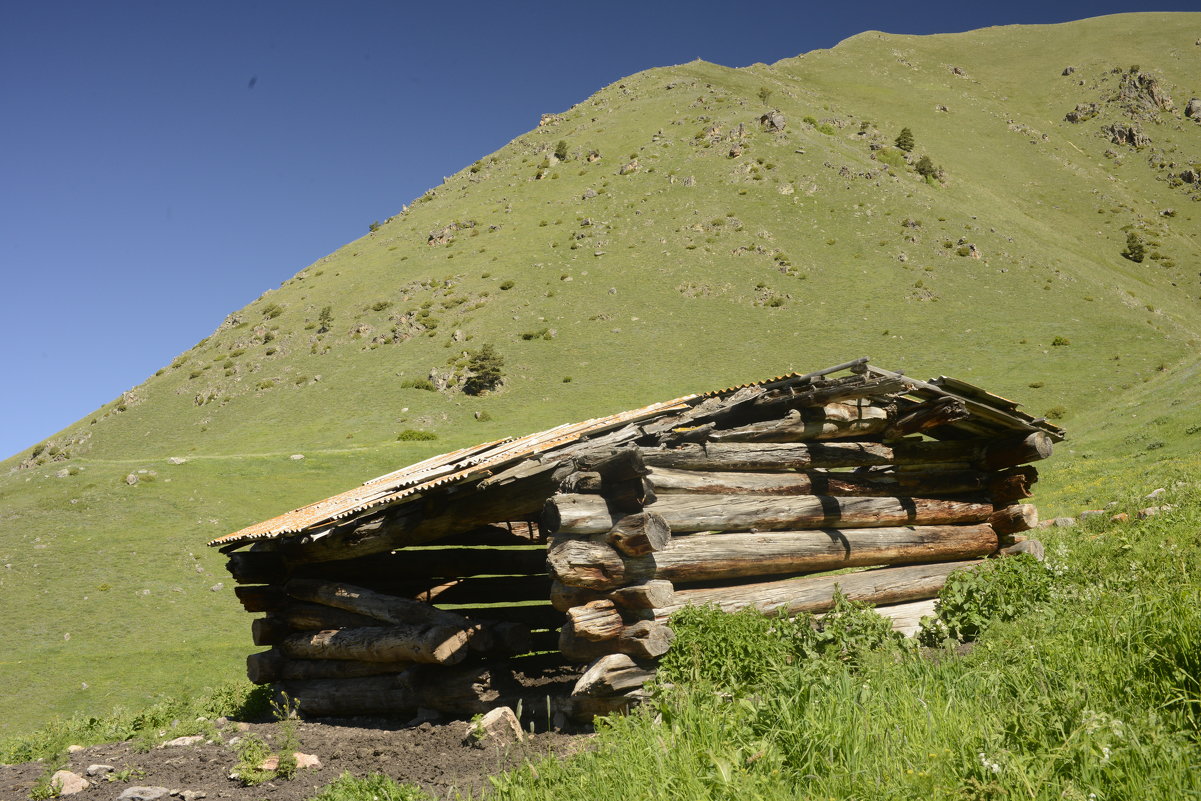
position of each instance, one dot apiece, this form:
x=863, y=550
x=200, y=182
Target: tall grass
x=1093, y=694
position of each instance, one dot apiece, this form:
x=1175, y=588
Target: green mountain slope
x=678, y=242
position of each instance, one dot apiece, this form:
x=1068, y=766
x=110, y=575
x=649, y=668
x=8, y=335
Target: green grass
x=694, y=306
x=1093, y=693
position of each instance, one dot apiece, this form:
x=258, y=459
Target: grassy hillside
x=679, y=244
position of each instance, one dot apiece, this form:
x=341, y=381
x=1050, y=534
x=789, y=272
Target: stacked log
x=429, y=627
x=762, y=498
x=755, y=509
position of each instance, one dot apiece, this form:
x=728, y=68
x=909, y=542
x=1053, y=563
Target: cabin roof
x=989, y=414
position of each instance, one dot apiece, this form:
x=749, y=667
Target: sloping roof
x=989, y=413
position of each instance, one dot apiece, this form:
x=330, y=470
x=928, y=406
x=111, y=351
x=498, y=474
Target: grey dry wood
x=716, y=557
x=888, y=585
x=433, y=644
x=669, y=481
x=587, y=514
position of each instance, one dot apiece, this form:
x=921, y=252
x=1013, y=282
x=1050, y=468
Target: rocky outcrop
x=1193, y=109
x=1141, y=95
x=1121, y=134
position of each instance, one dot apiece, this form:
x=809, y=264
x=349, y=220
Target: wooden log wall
x=389, y=633
x=755, y=510
x=745, y=501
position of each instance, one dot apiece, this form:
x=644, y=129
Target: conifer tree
x=484, y=367
x=1135, y=249
x=904, y=140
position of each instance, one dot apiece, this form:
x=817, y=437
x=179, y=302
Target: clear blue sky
x=164, y=163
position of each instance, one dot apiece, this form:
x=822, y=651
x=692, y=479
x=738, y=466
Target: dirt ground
x=438, y=756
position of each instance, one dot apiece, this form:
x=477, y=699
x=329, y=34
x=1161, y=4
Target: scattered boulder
x=942, y=108
x=99, y=770
x=1190, y=177
x=1131, y=135
x=296, y=457
x=773, y=122
x=499, y=726
x=592, y=156
x=1193, y=109
x=131, y=479
x=302, y=761
x=589, y=194
x=1120, y=517
x=629, y=168
x=1155, y=493
x=176, y=460
x=548, y=119
x=1068, y=70
x=217, y=587
x=144, y=794
x=957, y=71
x=1064, y=522
x=191, y=795
x=68, y=783
x=1151, y=511
x=194, y=739
x=1091, y=513
x=690, y=181
x=62, y=473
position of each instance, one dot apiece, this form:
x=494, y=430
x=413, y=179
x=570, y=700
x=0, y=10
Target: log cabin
x=448, y=584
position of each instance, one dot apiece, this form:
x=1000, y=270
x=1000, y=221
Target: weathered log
x=585, y=562
x=927, y=483
x=269, y=631
x=294, y=617
x=886, y=585
x=620, y=464
x=795, y=427
x=1014, y=519
x=462, y=691
x=596, y=620
x=927, y=415
x=990, y=454
x=585, y=514
x=256, y=567
x=424, y=563
x=1012, y=485
x=1032, y=547
x=638, y=534
x=266, y=667
x=582, y=482
x=611, y=675
x=1017, y=450
x=646, y=595
x=832, y=392
x=434, y=644
x=363, y=601
x=737, y=555
x=630, y=495
x=645, y=639
x=261, y=598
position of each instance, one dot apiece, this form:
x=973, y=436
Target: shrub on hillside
x=1136, y=249
x=485, y=371
x=905, y=141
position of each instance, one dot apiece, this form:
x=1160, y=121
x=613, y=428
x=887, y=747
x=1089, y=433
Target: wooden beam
x=886, y=585
x=930, y=483
x=587, y=514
